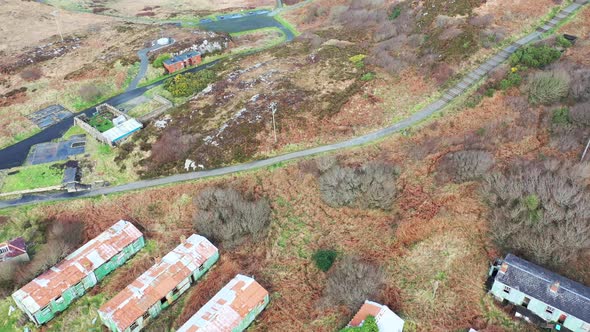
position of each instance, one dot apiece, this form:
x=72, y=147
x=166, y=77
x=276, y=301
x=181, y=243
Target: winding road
x=469, y=81
x=16, y=154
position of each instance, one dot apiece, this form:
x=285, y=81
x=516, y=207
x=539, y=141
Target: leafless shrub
x=450, y=33
x=442, y=73
x=314, y=12
x=466, y=165
x=498, y=74
x=491, y=37
x=385, y=30
x=568, y=137
x=369, y=187
x=325, y=163
x=225, y=216
x=7, y=271
x=580, y=84
x=482, y=21
x=31, y=74
x=540, y=210
x=580, y=113
x=90, y=92
x=314, y=40
x=172, y=146
x=69, y=233
x=351, y=282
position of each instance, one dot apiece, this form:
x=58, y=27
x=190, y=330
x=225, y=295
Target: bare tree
x=580, y=113
x=224, y=215
x=580, y=84
x=351, y=282
x=370, y=186
x=540, y=210
x=466, y=165
x=90, y=92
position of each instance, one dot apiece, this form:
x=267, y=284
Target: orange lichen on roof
x=75, y=267
x=367, y=309
x=226, y=310
x=157, y=282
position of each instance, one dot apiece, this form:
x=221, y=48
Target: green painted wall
x=170, y=297
x=537, y=307
x=251, y=316
x=69, y=295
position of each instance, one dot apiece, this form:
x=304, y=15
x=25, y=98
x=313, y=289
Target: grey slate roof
x=181, y=57
x=572, y=298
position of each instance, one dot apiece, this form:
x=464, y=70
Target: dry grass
x=132, y=8
x=27, y=23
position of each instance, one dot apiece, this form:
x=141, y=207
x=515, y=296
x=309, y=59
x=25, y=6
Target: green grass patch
x=101, y=123
x=287, y=25
x=9, y=323
x=560, y=116
x=368, y=77
x=159, y=62
x=82, y=315
x=32, y=177
x=132, y=71
x=511, y=80
x=395, y=13
x=73, y=131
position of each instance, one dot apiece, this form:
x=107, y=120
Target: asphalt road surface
x=16, y=154
x=469, y=81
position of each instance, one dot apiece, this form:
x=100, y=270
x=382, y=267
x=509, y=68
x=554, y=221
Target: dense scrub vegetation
x=227, y=217
x=466, y=165
x=324, y=258
x=540, y=210
x=547, y=88
x=159, y=62
x=184, y=85
x=535, y=56
x=351, y=282
x=369, y=325
x=371, y=186
x=58, y=239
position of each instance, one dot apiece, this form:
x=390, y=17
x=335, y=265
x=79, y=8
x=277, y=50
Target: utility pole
x=585, y=151
x=273, y=108
x=55, y=13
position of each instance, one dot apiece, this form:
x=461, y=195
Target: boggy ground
x=161, y=9
x=320, y=89
x=434, y=245
x=96, y=59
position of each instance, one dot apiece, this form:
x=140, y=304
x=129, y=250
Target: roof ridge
x=17, y=248
x=549, y=281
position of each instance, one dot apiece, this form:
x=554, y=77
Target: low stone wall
x=108, y=108
x=79, y=121
x=166, y=105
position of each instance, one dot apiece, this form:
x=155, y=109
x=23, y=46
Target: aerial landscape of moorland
x=296, y=165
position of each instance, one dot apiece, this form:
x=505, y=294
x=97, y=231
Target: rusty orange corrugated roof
x=75, y=267
x=154, y=284
x=366, y=309
x=226, y=310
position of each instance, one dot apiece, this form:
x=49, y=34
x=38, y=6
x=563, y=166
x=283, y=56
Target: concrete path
x=470, y=80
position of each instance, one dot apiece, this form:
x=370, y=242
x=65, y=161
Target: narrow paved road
x=16, y=154
x=143, y=63
x=470, y=79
